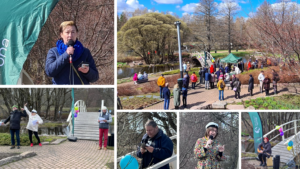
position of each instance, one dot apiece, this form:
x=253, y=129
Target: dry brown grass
x=286, y=76
x=145, y=88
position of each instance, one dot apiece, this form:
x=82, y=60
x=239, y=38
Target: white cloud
x=168, y=1
x=288, y=5
x=251, y=14
x=178, y=6
x=129, y=5
x=190, y=7
x=156, y=11
x=185, y=13
x=171, y=13
x=149, y=10
x=229, y=4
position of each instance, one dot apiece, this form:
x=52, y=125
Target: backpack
x=193, y=78
x=221, y=85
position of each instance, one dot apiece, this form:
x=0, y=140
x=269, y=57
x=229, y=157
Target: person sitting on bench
x=264, y=150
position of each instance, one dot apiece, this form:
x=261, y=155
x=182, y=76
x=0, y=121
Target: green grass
x=177, y=71
x=119, y=81
x=222, y=55
x=24, y=140
x=245, y=134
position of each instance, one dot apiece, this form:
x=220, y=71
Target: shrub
x=247, y=101
x=247, y=105
x=273, y=103
x=239, y=103
x=265, y=104
x=260, y=102
x=270, y=107
x=255, y=106
x=262, y=109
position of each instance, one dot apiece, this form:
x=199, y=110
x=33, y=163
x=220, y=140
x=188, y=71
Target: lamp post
x=177, y=23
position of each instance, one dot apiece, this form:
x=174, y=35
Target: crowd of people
x=223, y=77
x=140, y=77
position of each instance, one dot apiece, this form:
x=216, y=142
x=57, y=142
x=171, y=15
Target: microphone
x=211, y=138
x=70, y=43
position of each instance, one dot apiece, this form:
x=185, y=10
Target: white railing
x=171, y=160
x=295, y=130
x=81, y=107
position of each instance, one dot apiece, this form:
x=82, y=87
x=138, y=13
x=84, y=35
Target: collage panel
x=61, y=42
x=270, y=139
x=209, y=140
x=147, y=140
x=57, y=128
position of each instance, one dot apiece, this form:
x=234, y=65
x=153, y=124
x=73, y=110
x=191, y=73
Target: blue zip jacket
x=58, y=67
x=226, y=69
x=218, y=74
x=207, y=76
x=166, y=93
x=185, y=81
x=163, y=149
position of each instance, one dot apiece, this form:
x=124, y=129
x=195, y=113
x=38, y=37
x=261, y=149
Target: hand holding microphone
x=70, y=49
x=209, y=142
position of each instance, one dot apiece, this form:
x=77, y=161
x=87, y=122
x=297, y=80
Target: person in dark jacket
x=188, y=80
x=104, y=120
x=218, y=74
x=215, y=66
x=242, y=66
x=119, y=104
x=264, y=151
x=233, y=80
x=58, y=64
x=227, y=70
x=251, y=85
x=155, y=146
x=275, y=80
x=184, y=95
x=237, y=88
x=15, y=119
x=202, y=75
x=185, y=81
x=207, y=80
x=167, y=94
x=266, y=84
x=222, y=69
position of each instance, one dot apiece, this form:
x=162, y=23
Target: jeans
x=201, y=79
x=193, y=85
x=166, y=104
x=12, y=137
x=161, y=92
x=275, y=87
x=221, y=92
x=206, y=84
x=35, y=134
x=101, y=132
x=184, y=101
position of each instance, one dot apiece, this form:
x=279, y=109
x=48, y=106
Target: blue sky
x=181, y=7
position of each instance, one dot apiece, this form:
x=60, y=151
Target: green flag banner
x=20, y=24
x=72, y=109
x=257, y=129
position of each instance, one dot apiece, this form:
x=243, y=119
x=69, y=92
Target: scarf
x=61, y=48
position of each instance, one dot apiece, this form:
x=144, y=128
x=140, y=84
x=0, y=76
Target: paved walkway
x=80, y=154
x=199, y=97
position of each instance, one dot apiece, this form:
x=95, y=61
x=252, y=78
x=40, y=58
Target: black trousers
x=267, y=92
x=212, y=85
x=262, y=157
x=237, y=95
x=35, y=134
x=251, y=92
x=184, y=101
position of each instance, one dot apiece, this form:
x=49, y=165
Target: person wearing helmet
x=208, y=150
x=104, y=120
x=33, y=124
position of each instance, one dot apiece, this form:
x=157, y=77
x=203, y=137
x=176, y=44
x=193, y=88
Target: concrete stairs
x=87, y=126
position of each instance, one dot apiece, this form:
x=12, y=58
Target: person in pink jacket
x=194, y=80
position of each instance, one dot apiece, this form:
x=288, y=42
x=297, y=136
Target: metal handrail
x=134, y=152
x=164, y=162
x=295, y=128
x=81, y=107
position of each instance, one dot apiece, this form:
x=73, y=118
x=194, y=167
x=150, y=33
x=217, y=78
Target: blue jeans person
x=161, y=92
x=166, y=104
x=12, y=137
x=221, y=92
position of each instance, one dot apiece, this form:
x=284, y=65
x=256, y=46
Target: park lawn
x=24, y=139
x=239, y=54
x=137, y=102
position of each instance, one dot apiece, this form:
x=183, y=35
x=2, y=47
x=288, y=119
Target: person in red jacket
x=212, y=69
x=249, y=65
x=194, y=80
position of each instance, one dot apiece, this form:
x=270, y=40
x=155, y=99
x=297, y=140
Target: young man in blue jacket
x=166, y=94
x=155, y=146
